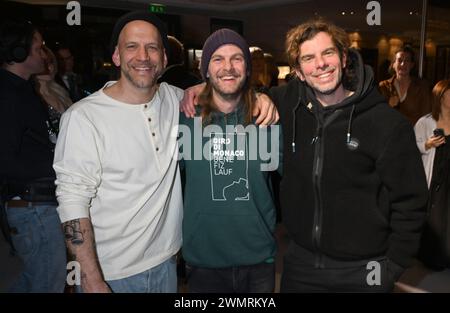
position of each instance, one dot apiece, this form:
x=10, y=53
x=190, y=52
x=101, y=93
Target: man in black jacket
x=26, y=171
x=353, y=193
x=176, y=73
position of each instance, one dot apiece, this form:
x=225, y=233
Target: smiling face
x=227, y=71
x=140, y=55
x=320, y=64
x=403, y=63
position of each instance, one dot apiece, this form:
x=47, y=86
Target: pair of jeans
x=159, y=279
x=258, y=278
x=37, y=237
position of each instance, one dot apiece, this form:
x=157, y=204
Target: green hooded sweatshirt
x=229, y=211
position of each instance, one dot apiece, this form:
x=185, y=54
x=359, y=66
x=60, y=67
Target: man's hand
x=265, y=110
x=189, y=101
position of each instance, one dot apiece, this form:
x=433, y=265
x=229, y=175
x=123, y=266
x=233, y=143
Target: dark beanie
x=142, y=16
x=219, y=38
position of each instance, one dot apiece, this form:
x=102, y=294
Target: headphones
x=17, y=53
x=15, y=41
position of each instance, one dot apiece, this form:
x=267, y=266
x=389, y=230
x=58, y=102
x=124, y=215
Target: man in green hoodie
x=229, y=213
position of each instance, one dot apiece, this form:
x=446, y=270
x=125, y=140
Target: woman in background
x=408, y=94
x=432, y=135
x=259, y=79
x=55, y=97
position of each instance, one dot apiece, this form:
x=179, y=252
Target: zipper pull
x=318, y=134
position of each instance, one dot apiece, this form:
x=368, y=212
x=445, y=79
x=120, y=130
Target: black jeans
x=300, y=274
x=259, y=278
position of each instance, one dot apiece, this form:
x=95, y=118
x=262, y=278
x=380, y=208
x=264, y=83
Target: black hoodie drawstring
x=349, y=127
x=294, y=124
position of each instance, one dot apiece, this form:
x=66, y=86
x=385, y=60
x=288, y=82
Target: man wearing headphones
x=26, y=157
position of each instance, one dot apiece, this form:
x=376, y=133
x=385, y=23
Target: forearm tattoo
x=72, y=232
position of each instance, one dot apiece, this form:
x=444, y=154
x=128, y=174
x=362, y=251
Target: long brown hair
x=206, y=101
x=438, y=92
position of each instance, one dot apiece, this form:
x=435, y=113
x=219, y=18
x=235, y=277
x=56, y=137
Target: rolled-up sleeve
x=77, y=166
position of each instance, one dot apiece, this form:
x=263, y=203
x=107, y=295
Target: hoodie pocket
x=354, y=227
x=228, y=240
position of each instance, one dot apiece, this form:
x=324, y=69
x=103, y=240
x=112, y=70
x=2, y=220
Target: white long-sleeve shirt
x=116, y=164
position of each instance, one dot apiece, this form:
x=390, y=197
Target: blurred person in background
x=55, y=96
x=260, y=81
x=408, y=94
x=272, y=69
x=67, y=77
x=176, y=73
x=432, y=135
x=30, y=221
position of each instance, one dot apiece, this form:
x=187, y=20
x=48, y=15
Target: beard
x=225, y=94
x=330, y=90
x=147, y=81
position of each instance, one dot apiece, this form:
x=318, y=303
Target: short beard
x=228, y=96
x=140, y=84
x=330, y=91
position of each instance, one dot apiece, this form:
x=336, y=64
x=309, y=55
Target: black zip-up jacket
x=353, y=182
